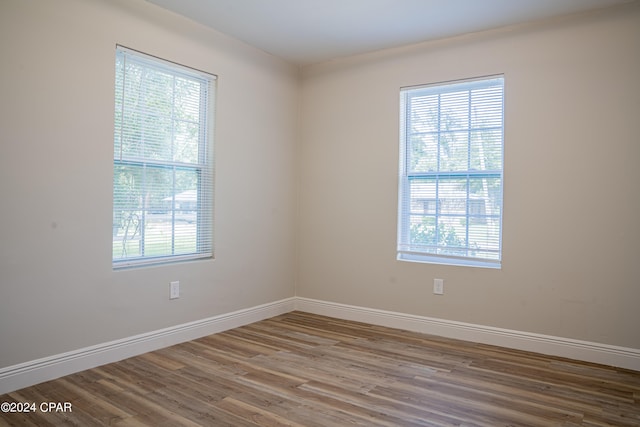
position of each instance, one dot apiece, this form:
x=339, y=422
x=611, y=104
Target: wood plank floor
x=300, y=369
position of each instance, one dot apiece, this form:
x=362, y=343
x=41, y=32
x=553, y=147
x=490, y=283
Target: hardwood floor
x=300, y=369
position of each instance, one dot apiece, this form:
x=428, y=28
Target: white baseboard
x=622, y=357
x=36, y=371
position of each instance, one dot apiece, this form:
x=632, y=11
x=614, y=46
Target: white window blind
x=162, y=161
x=451, y=173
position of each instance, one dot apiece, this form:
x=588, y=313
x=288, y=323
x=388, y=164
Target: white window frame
x=130, y=221
x=465, y=251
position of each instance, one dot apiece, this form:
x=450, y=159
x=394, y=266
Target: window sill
x=152, y=261
x=461, y=262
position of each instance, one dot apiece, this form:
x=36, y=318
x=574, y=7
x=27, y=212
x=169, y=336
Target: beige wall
x=57, y=288
x=314, y=157
x=571, y=265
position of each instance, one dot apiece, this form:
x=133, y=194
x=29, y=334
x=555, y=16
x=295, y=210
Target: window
x=162, y=161
x=451, y=173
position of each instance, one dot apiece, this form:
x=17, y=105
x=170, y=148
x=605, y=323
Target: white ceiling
x=310, y=31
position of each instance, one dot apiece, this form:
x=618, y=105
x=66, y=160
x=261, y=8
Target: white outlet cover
x=174, y=290
x=438, y=286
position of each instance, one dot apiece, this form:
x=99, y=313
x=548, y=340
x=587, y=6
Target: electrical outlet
x=438, y=286
x=174, y=290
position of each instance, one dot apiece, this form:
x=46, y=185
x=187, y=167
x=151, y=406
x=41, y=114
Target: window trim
x=406, y=251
